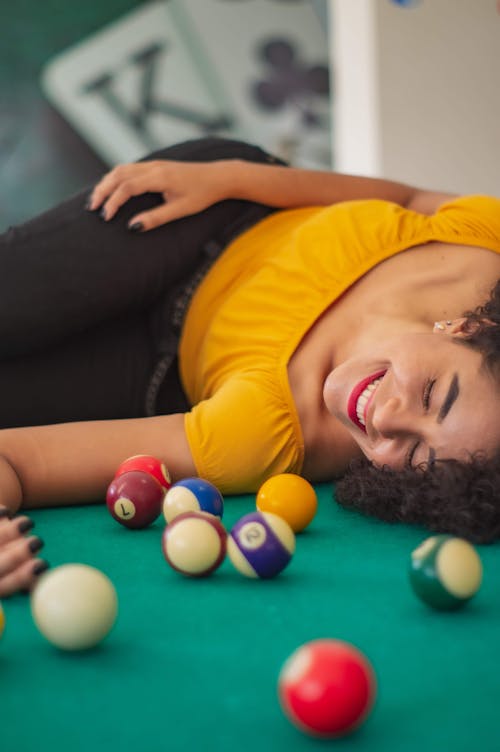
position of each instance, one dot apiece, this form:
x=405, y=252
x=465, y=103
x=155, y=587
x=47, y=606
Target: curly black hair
x=461, y=498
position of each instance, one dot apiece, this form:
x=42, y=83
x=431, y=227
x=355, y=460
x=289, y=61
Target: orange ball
x=290, y=497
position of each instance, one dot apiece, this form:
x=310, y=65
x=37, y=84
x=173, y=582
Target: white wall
x=417, y=91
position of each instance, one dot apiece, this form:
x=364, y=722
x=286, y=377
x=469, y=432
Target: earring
x=439, y=325
x=449, y=323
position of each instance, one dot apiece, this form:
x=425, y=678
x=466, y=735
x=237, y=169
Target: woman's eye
x=410, y=455
x=426, y=399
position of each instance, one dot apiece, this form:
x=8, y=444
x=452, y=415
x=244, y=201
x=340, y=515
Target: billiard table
x=192, y=664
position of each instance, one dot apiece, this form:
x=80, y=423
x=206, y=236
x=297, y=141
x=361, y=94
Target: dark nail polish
x=41, y=566
x=102, y=214
x=136, y=227
x=4, y=513
x=25, y=525
x=36, y=544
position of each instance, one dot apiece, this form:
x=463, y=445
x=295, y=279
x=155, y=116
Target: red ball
x=135, y=499
x=147, y=464
x=327, y=688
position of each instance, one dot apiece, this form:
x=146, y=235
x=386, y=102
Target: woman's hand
x=18, y=566
x=187, y=188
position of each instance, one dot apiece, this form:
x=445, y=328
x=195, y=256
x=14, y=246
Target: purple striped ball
x=261, y=545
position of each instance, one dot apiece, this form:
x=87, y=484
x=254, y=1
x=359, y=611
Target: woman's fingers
x=123, y=182
x=168, y=212
x=107, y=185
x=186, y=189
x=121, y=194
x=12, y=529
x=22, y=578
x=17, y=552
x=17, y=567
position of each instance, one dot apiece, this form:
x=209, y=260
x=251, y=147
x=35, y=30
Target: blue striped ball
x=192, y=495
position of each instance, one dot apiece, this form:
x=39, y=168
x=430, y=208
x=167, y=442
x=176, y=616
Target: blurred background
x=406, y=89
x=84, y=86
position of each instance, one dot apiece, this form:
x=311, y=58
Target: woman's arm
x=71, y=463
x=288, y=187
x=190, y=187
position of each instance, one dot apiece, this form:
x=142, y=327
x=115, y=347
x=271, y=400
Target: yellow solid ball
x=74, y=606
x=290, y=497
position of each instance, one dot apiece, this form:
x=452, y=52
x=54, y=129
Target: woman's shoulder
x=474, y=218
x=246, y=430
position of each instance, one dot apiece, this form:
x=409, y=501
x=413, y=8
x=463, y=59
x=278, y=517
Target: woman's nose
x=390, y=419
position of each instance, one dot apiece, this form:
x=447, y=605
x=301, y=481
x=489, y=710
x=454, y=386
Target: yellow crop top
x=258, y=301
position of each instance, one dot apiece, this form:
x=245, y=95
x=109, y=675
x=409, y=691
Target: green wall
x=42, y=160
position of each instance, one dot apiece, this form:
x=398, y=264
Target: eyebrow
x=453, y=392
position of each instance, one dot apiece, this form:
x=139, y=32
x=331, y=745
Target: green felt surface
x=192, y=664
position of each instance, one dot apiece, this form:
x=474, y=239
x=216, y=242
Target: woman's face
x=415, y=398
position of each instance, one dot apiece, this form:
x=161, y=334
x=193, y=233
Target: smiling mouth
x=360, y=398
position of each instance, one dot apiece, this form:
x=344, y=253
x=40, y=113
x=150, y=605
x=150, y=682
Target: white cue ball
x=74, y=606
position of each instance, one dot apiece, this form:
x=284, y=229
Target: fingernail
x=102, y=214
x=136, y=227
x=25, y=525
x=4, y=513
x=40, y=567
x=88, y=204
x=35, y=545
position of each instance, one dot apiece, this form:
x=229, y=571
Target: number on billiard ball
x=327, y=688
x=261, y=545
x=135, y=499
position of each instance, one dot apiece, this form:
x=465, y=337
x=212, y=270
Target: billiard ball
x=192, y=495
x=146, y=464
x=289, y=496
x=445, y=572
x=327, y=688
x=2, y=620
x=74, y=606
x=195, y=543
x=135, y=499
x=260, y=545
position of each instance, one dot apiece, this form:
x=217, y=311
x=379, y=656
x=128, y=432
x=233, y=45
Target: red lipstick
x=354, y=396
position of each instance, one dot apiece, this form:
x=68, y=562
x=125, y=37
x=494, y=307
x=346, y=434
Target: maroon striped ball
x=194, y=543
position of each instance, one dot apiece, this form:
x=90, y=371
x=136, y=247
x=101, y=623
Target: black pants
x=86, y=306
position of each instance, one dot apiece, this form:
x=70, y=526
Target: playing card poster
x=179, y=69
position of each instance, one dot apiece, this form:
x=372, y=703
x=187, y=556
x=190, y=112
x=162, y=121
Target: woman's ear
x=461, y=327
x=455, y=327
